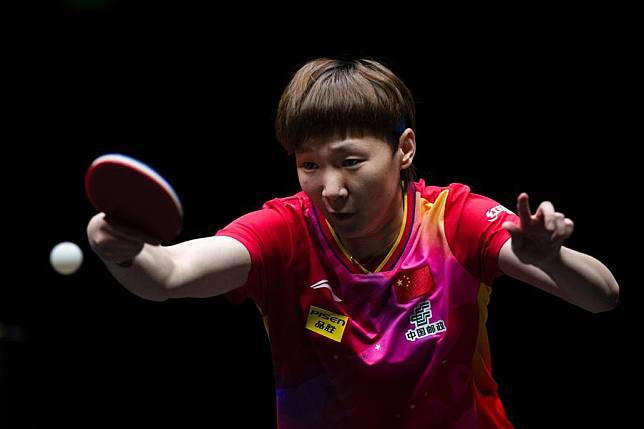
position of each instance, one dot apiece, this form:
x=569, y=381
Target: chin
x=347, y=231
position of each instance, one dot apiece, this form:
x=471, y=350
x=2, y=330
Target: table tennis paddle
x=135, y=195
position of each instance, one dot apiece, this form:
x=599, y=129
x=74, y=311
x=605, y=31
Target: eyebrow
x=342, y=147
x=346, y=147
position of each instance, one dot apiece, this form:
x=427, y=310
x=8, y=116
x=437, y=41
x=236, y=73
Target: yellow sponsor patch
x=326, y=323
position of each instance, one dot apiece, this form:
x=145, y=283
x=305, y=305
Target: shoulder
x=274, y=217
x=298, y=202
x=431, y=192
x=453, y=191
x=473, y=227
x=460, y=200
x=285, y=210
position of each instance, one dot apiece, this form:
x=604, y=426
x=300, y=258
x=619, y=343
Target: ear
x=407, y=148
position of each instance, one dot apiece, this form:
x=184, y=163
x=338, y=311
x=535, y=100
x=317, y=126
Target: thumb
x=512, y=228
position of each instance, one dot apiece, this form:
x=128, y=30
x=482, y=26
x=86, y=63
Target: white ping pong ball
x=66, y=257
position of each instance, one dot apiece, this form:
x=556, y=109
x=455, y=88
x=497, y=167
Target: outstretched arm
x=535, y=255
x=197, y=268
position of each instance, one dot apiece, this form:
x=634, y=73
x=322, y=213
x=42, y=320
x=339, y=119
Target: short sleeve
x=263, y=233
x=473, y=226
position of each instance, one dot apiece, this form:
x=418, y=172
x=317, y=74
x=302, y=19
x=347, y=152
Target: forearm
x=148, y=275
x=202, y=267
x=583, y=280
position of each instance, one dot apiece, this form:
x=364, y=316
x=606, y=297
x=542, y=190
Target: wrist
x=551, y=262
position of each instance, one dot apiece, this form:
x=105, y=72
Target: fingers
x=553, y=221
x=559, y=225
x=523, y=208
x=112, y=242
x=119, y=252
x=128, y=232
x=570, y=227
x=545, y=212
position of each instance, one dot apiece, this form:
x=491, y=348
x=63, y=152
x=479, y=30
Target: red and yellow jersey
x=399, y=344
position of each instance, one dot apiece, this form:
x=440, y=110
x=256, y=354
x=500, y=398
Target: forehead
x=341, y=145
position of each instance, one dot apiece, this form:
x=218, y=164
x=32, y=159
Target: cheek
x=308, y=186
x=380, y=182
x=305, y=182
x=378, y=192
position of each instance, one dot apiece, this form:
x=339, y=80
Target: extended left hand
x=538, y=238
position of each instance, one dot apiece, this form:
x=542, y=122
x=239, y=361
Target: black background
x=538, y=105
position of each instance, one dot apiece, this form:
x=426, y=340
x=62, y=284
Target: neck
x=377, y=245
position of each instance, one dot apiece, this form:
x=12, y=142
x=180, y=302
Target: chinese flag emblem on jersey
x=411, y=284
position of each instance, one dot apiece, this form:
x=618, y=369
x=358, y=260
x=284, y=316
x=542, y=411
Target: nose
x=334, y=187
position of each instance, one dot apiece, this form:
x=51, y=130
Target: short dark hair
x=331, y=97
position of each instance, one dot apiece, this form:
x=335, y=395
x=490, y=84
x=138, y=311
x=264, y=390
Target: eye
x=351, y=162
x=308, y=166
